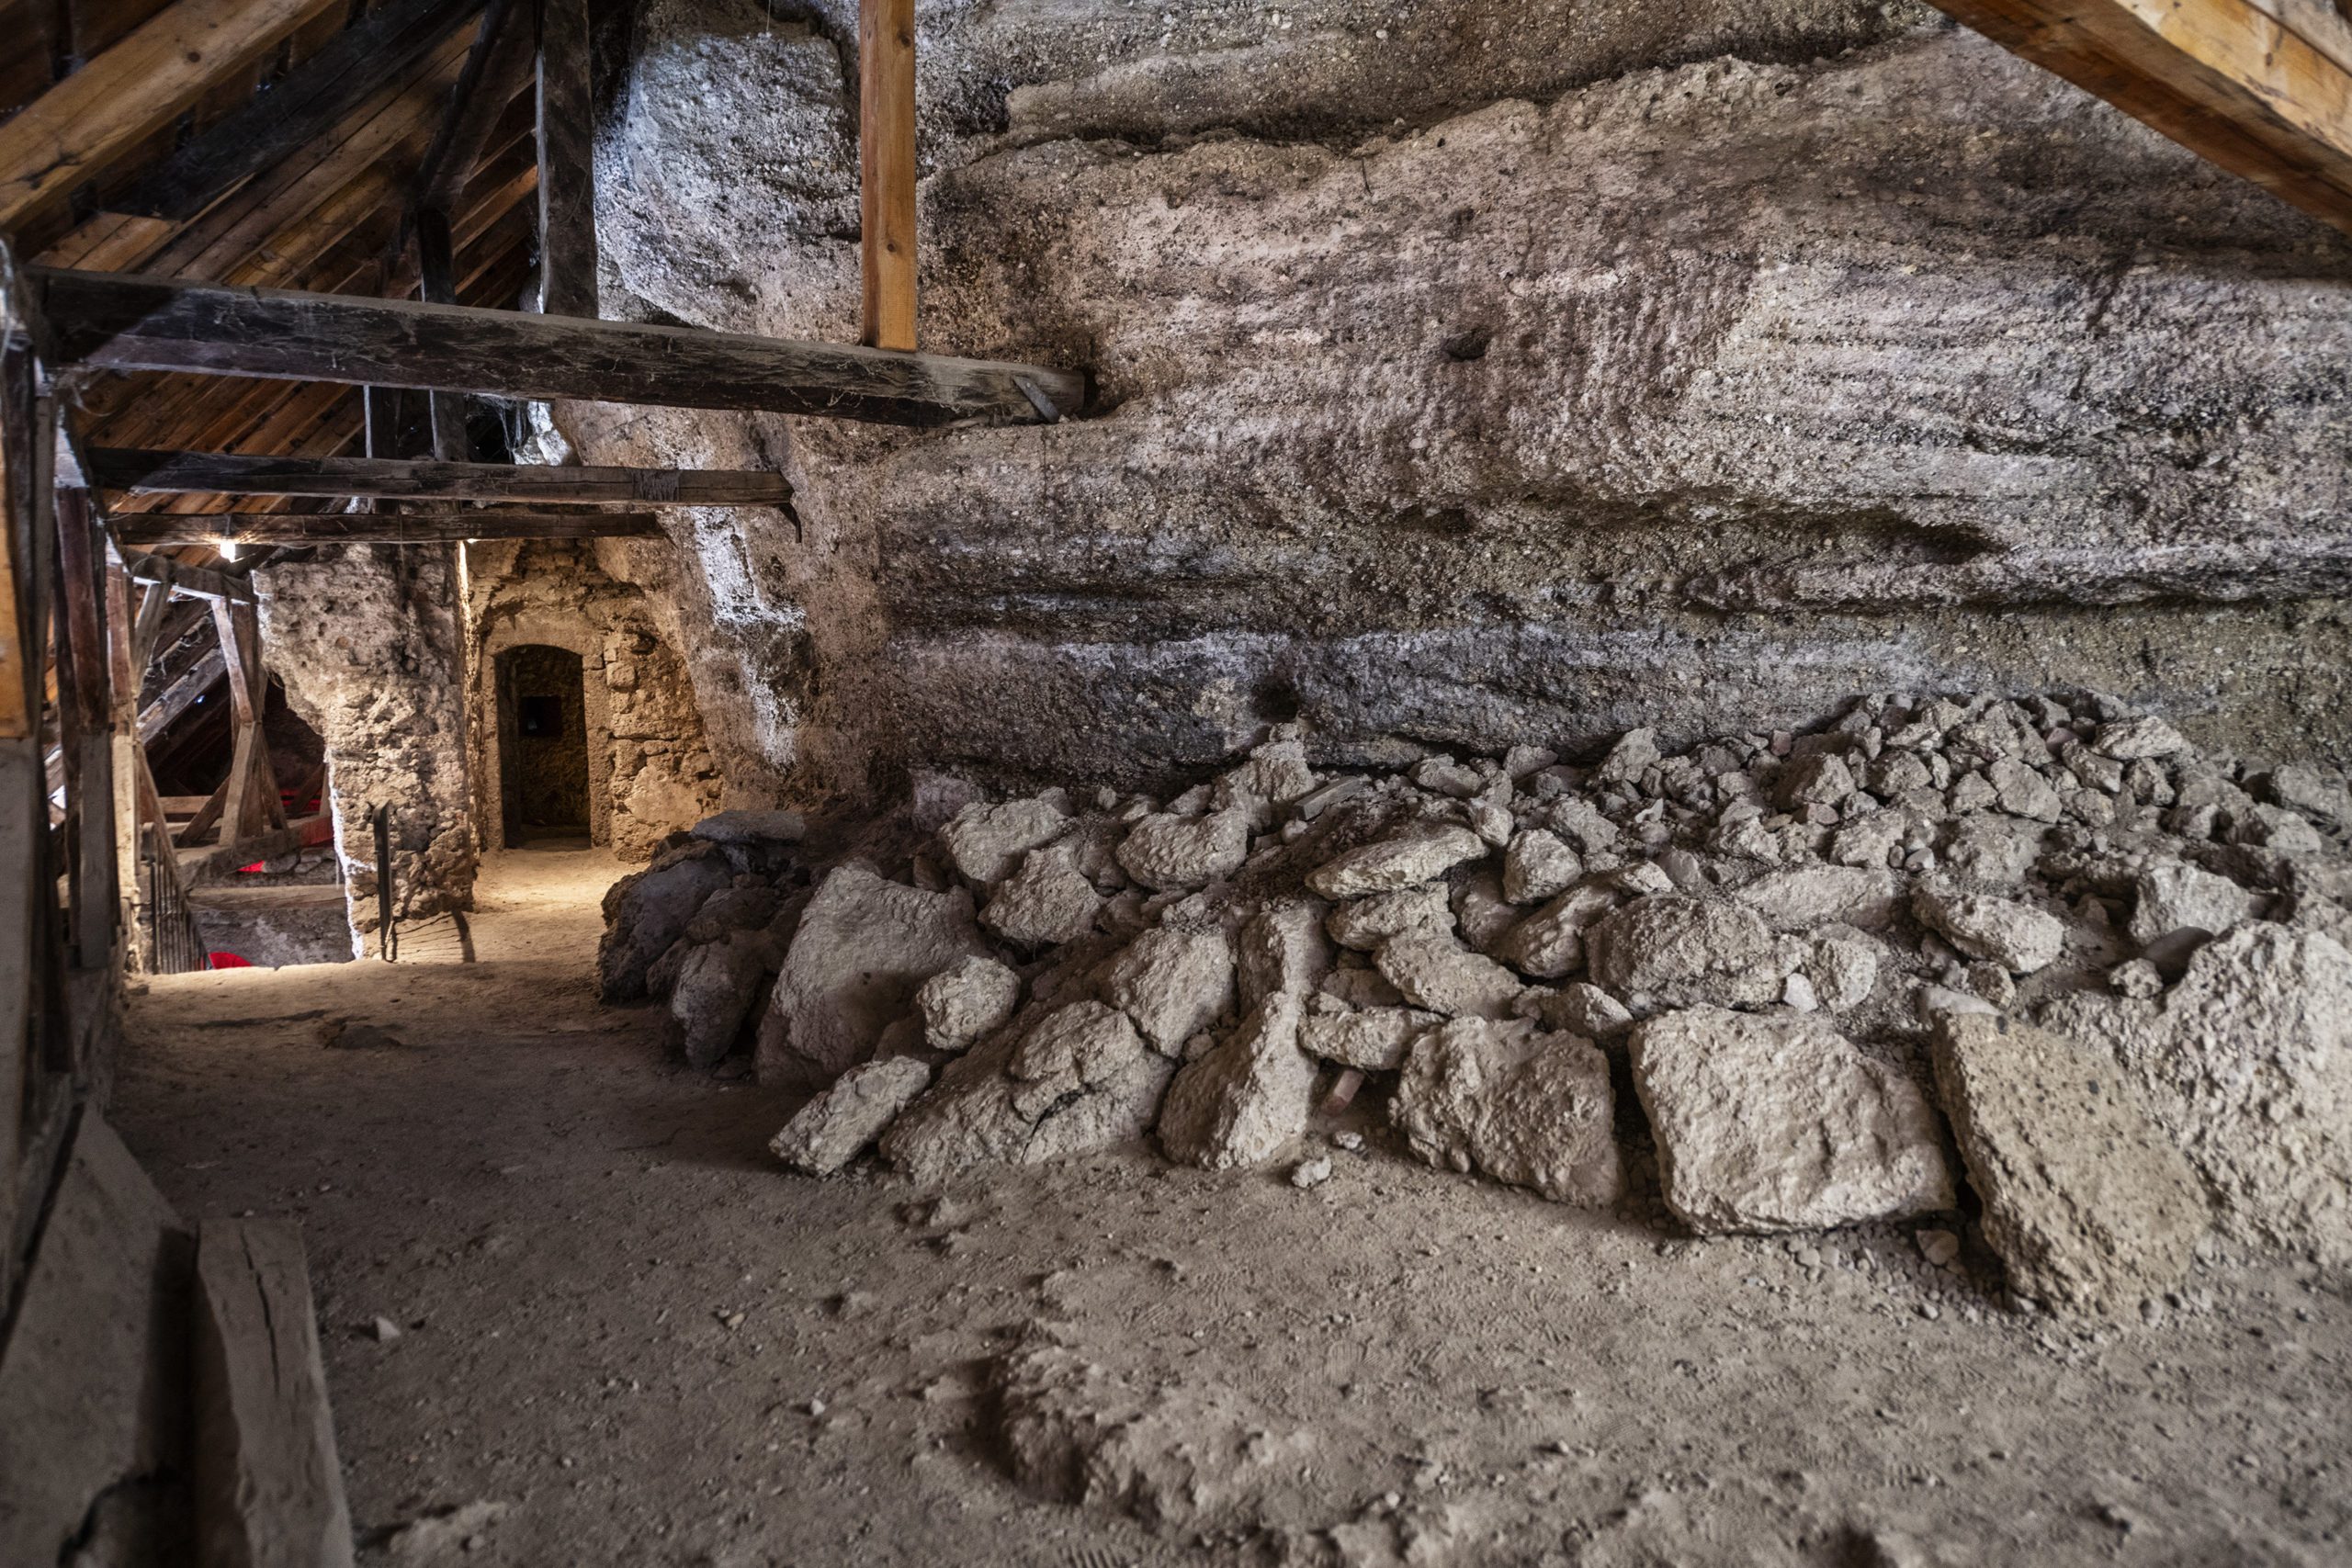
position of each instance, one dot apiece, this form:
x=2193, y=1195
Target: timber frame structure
x=260, y=260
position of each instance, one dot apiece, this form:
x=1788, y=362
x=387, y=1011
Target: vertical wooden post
x=82, y=609
x=436, y=282
x=24, y=812
x=886, y=169
x=567, y=167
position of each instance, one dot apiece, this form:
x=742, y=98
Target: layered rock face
x=368, y=642
x=1694, y=365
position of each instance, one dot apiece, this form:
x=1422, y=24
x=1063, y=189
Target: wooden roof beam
x=297, y=528
x=195, y=581
x=118, y=322
x=394, y=479
x=2261, y=88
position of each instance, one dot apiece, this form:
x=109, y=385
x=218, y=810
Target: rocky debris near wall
x=1738, y=986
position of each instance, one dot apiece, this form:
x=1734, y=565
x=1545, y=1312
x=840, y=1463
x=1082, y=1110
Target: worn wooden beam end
x=268, y=1484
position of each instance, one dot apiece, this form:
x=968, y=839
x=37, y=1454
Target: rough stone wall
x=365, y=639
x=650, y=772
x=1513, y=374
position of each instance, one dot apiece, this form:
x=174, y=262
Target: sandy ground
x=626, y=1337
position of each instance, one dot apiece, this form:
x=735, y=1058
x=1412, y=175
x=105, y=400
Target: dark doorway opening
x=542, y=745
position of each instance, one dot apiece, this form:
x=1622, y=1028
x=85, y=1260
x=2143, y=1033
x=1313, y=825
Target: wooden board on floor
x=93, y=1380
x=268, y=1489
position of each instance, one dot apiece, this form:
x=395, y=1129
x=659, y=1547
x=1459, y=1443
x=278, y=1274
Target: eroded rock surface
x=1521, y=1105
x=2086, y=1200
x=1769, y=1124
x=865, y=946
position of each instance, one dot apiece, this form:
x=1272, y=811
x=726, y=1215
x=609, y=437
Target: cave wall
x=650, y=770
x=1480, y=374
x=367, y=640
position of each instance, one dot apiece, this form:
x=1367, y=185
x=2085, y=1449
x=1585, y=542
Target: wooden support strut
x=886, y=169
x=238, y=473
x=113, y=321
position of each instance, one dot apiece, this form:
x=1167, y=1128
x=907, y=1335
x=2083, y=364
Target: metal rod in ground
x=388, y=945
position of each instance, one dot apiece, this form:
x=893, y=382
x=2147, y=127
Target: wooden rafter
x=381, y=46
x=81, y=127
x=2261, y=88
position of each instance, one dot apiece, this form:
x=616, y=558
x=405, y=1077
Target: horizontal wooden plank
x=268, y=1486
x=316, y=95
x=393, y=479
x=120, y=322
x=2231, y=80
x=195, y=581
x=147, y=529
x=207, y=860
x=74, y=131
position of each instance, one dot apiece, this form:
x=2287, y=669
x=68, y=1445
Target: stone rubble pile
x=2037, y=950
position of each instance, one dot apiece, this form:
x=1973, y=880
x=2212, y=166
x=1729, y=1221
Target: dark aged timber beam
x=118, y=322
x=394, y=479
x=150, y=528
x=2261, y=88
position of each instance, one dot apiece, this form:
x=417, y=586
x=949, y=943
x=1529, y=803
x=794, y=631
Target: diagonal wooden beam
x=313, y=99
x=2261, y=88
x=292, y=528
x=113, y=321
x=195, y=581
x=393, y=479
x=77, y=130
x=495, y=68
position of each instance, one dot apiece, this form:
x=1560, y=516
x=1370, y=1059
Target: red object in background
x=226, y=961
x=249, y=870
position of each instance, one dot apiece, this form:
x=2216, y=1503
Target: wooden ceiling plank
x=411, y=528
x=311, y=100
x=120, y=323
x=80, y=128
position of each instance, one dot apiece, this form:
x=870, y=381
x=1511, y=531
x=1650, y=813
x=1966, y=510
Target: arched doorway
x=542, y=744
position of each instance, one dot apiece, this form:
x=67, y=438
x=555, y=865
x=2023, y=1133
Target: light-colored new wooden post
x=886, y=169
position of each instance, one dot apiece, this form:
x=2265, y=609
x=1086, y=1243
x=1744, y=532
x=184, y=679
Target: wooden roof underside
x=323, y=216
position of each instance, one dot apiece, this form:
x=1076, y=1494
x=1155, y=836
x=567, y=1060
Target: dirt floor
x=624, y=1336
